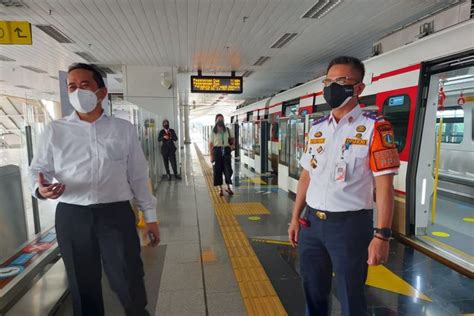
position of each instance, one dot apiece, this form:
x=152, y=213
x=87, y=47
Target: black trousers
x=339, y=246
x=91, y=235
x=167, y=158
x=222, y=165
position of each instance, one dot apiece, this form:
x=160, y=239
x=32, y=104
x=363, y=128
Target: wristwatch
x=384, y=232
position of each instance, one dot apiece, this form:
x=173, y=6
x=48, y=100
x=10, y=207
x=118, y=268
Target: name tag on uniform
x=317, y=141
x=341, y=168
x=356, y=141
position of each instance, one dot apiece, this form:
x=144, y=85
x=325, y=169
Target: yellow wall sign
x=216, y=84
x=15, y=33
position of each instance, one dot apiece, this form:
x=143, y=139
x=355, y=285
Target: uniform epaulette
x=373, y=115
x=320, y=120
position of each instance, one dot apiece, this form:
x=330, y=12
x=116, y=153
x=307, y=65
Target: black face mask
x=220, y=124
x=166, y=126
x=336, y=94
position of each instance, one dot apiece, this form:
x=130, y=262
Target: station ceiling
x=217, y=36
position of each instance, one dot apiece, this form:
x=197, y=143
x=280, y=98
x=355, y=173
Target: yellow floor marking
x=257, y=292
x=254, y=218
x=468, y=219
x=466, y=314
x=440, y=234
x=255, y=180
x=272, y=241
x=378, y=276
x=448, y=247
x=382, y=278
x=249, y=208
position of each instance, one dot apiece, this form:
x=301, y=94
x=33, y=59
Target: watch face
x=386, y=232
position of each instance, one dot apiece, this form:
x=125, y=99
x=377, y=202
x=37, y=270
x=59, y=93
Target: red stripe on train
x=396, y=72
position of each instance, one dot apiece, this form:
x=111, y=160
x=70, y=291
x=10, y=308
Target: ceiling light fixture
x=320, y=9
x=283, y=40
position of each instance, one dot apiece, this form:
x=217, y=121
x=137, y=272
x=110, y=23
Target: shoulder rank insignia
x=320, y=120
x=373, y=115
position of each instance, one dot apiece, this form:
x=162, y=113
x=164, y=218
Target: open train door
x=440, y=178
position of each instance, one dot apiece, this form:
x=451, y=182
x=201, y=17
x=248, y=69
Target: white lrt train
x=413, y=87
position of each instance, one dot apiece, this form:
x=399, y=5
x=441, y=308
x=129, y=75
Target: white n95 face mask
x=83, y=101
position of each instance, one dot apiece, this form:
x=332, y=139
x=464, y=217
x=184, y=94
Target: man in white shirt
x=99, y=167
x=348, y=152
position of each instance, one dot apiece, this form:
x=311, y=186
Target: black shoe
x=177, y=176
x=169, y=177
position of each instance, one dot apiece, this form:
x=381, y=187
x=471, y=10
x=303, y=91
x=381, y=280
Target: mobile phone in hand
x=152, y=239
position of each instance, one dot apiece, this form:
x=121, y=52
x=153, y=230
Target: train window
x=396, y=110
x=453, y=124
x=290, y=108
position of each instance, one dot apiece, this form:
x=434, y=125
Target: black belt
x=325, y=215
x=112, y=204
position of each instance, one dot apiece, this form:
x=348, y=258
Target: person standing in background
x=221, y=142
x=167, y=137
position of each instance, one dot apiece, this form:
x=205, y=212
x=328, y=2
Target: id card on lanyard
x=341, y=165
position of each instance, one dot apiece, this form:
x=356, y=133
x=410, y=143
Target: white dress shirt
x=99, y=162
x=364, y=158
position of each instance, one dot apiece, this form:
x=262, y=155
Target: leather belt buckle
x=321, y=215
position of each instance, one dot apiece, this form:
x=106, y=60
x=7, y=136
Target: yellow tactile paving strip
x=257, y=292
x=249, y=208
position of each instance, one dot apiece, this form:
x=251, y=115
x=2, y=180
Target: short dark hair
x=97, y=73
x=355, y=63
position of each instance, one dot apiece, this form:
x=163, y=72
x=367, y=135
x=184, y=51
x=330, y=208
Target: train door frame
x=264, y=131
x=420, y=176
x=236, y=128
x=284, y=166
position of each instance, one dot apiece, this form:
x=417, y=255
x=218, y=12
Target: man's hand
x=378, y=252
x=166, y=137
x=293, y=231
x=153, y=232
x=49, y=191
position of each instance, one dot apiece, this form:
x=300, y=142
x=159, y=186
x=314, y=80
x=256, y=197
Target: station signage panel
x=216, y=84
x=15, y=33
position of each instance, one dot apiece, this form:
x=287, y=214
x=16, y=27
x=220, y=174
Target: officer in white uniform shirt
x=349, y=154
x=99, y=167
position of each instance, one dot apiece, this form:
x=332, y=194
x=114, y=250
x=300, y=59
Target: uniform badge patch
x=358, y=135
x=386, y=159
x=318, y=134
x=314, y=163
x=361, y=128
x=387, y=136
x=320, y=149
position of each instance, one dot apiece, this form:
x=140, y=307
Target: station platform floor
x=230, y=256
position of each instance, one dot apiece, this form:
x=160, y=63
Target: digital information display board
x=216, y=84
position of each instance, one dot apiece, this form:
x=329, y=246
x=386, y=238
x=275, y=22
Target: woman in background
x=221, y=142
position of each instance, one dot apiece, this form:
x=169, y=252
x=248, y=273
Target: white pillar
x=187, y=137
